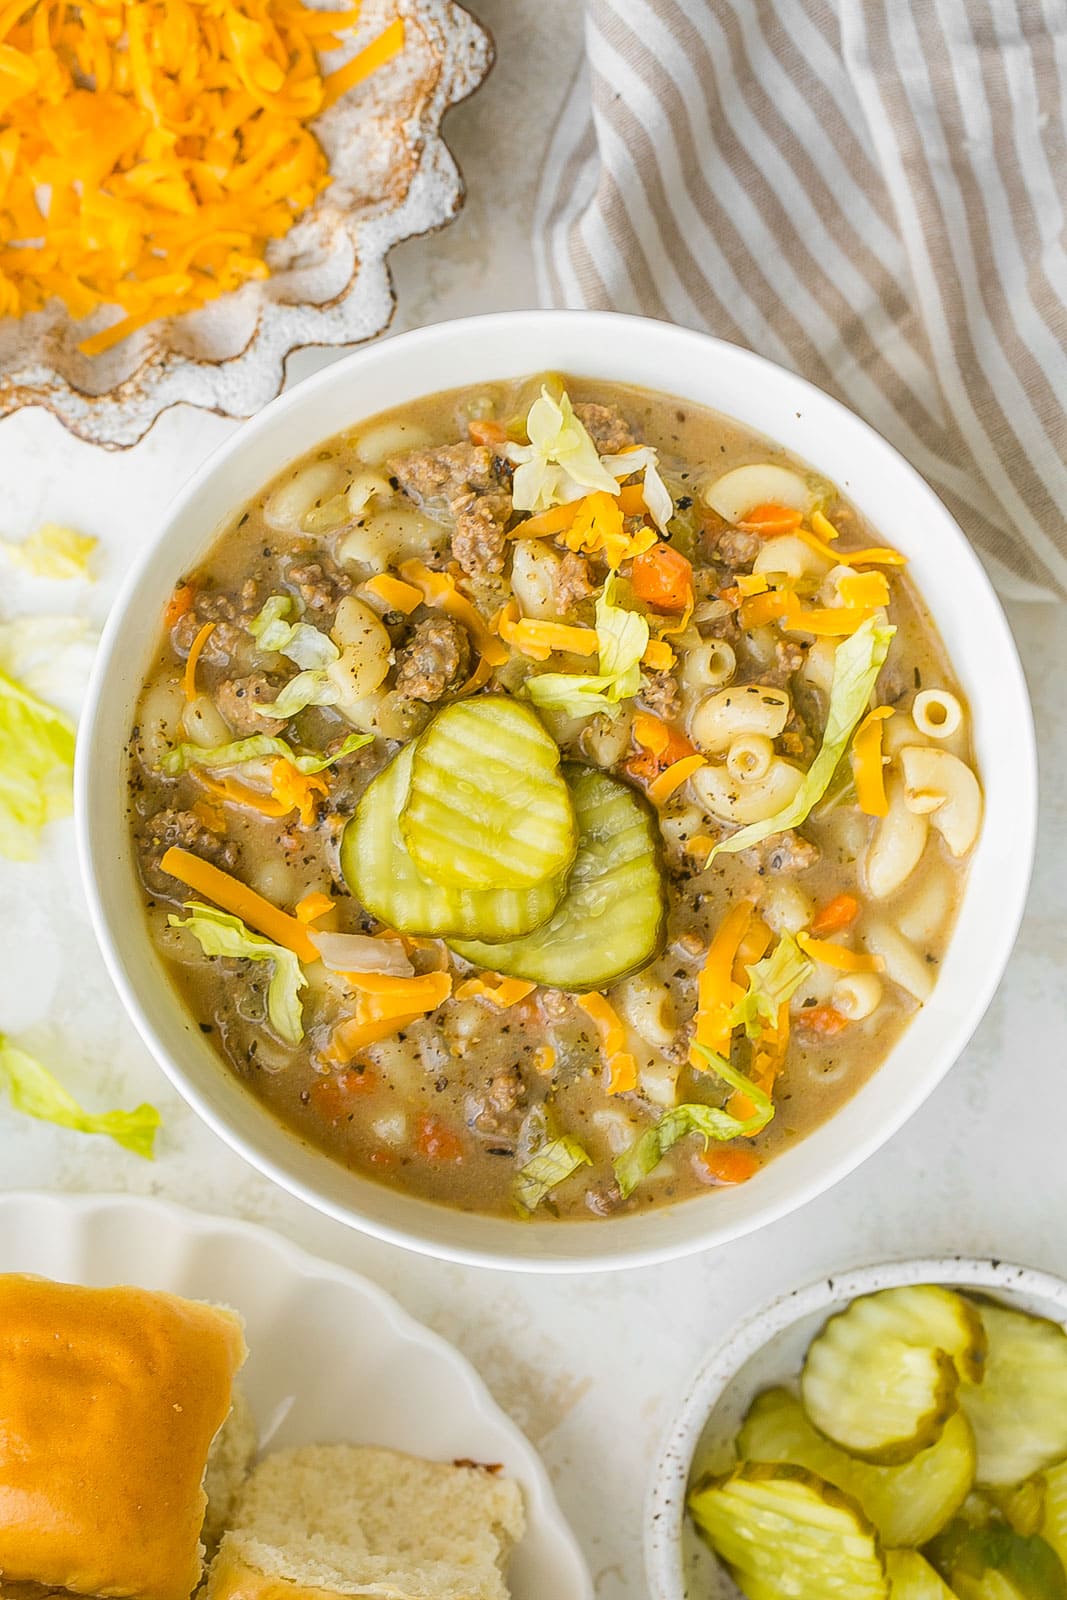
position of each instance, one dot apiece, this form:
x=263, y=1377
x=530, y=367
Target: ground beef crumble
x=737, y=548
x=436, y=658
x=469, y=481
x=238, y=699
x=572, y=581
x=497, y=1113
x=785, y=852
x=606, y=425
x=318, y=580
x=158, y=833
x=661, y=695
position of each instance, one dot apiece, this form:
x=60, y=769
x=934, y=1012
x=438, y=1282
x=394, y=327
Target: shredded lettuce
x=53, y=551
x=554, y=1161
x=623, y=639
x=312, y=688
x=219, y=934
x=49, y=655
x=36, y=771
x=309, y=647
x=857, y=663
x=36, y=1093
x=560, y=462
x=657, y=495
x=771, y=982
x=260, y=745
x=648, y=1150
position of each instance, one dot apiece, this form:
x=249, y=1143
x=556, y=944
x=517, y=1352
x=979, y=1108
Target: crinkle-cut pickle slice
x=881, y=1379
x=907, y=1504
x=784, y=1531
x=1019, y=1411
x=383, y=877
x=611, y=920
x=487, y=807
x=911, y=1577
x=990, y=1561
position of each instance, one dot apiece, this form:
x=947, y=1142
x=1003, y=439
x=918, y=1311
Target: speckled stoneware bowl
x=769, y=1349
x=393, y=178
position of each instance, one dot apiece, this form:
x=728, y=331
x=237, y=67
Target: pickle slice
x=1019, y=1412
x=1052, y=1487
x=913, y=1578
x=908, y=1504
x=383, y=877
x=993, y=1562
x=487, y=807
x=881, y=1379
x=611, y=920
x=784, y=1531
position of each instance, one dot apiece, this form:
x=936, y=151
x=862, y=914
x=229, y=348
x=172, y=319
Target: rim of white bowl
x=665, y=1500
x=614, y=348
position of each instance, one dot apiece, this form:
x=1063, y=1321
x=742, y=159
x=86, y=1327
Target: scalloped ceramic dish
x=332, y=1357
x=768, y=1349
x=393, y=178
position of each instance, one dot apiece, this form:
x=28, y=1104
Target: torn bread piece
x=232, y=1455
x=109, y=1402
x=345, y=1520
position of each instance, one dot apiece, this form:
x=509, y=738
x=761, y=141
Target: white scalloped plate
x=333, y=1358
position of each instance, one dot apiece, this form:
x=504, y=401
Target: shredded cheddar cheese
x=761, y=609
x=231, y=895
x=658, y=656
x=439, y=589
x=823, y=535
x=502, y=992
x=620, y=1068
x=838, y=956
x=538, y=639
x=191, y=660
x=599, y=525
x=297, y=791
x=544, y=1058
x=672, y=778
x=151, y=149
x=380, y=998
x=864, y=589
x=716, y=989
x=396, y=594
x=868, y=763
x=313, y=906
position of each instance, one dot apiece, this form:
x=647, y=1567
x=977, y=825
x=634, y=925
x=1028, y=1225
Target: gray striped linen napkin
x=871, y=192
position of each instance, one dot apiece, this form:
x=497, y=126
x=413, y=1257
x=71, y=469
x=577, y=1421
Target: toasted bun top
x=109, y=1401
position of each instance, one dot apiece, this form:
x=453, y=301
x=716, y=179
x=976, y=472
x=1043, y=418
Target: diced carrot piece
x=836, y=914
x=178, y=604
x=436, y=1141
x=483, y=430
x=771, y=519
x=825, y=1020
x=726, y=1165
x=334, y=1097
x=663, y=578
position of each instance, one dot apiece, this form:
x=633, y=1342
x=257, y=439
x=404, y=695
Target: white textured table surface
x=590, y=1369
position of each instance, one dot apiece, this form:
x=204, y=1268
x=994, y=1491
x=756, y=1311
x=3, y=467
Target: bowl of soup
x=557, y=792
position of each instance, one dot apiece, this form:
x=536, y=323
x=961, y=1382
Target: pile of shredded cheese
x=150, y=149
